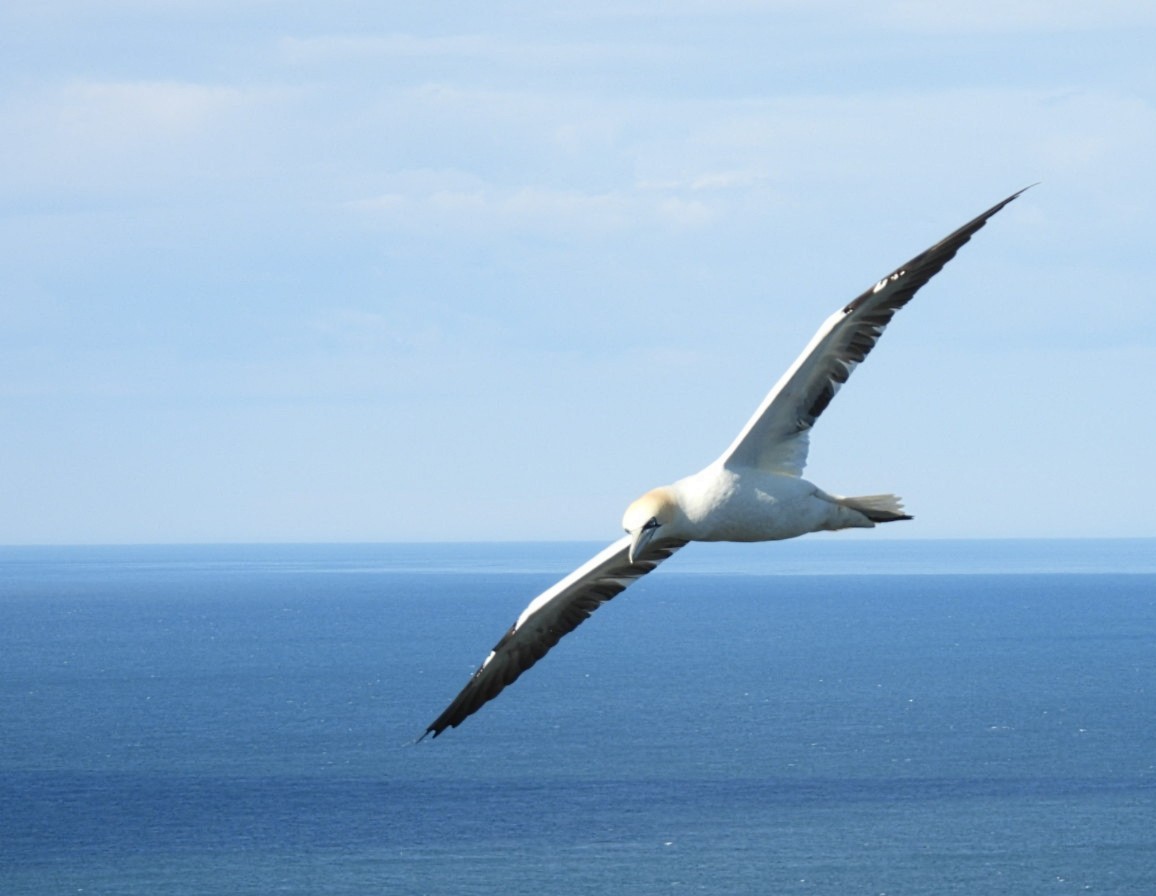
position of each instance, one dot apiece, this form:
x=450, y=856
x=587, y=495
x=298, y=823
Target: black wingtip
x=1014, y=196
x=982, y=219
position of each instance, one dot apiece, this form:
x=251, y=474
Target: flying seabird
x=753, y=492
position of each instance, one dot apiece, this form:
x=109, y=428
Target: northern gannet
x=753, y=492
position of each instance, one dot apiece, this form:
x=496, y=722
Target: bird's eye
x=651, y=523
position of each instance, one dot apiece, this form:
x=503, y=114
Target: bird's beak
x=639, y=539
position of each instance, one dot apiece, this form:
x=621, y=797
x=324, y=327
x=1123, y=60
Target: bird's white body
x=719, y=503
x=753, y=492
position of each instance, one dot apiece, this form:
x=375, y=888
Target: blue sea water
x=827, y=716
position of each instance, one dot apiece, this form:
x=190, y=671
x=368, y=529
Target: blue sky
x=363, y=271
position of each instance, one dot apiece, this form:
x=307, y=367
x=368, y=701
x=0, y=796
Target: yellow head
x=645, y=518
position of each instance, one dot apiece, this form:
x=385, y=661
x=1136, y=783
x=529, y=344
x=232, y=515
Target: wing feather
x=775, y=438
x=551, y=615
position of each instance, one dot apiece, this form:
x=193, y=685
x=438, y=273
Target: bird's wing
x=552, y=614
x=775, y=438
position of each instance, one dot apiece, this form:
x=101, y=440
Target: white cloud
x=686, y=212
x=698, y=162
x=727, y=180
x=128, y=113
x=918, y=15
x=93, y=135
x=491, y=47
x=461, y=202
x=1018, y=15
x=947, y=136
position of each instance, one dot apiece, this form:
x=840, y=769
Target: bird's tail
x=877, y=508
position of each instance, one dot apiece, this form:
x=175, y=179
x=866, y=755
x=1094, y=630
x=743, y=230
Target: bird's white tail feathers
x=877, y=508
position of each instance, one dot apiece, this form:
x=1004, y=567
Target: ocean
x=825, y=716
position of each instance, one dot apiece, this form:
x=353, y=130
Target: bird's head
x=645, y=518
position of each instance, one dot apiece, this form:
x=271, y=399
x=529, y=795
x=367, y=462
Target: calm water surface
x=825, y=716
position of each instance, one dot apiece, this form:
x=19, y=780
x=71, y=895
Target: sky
x=363, y=271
